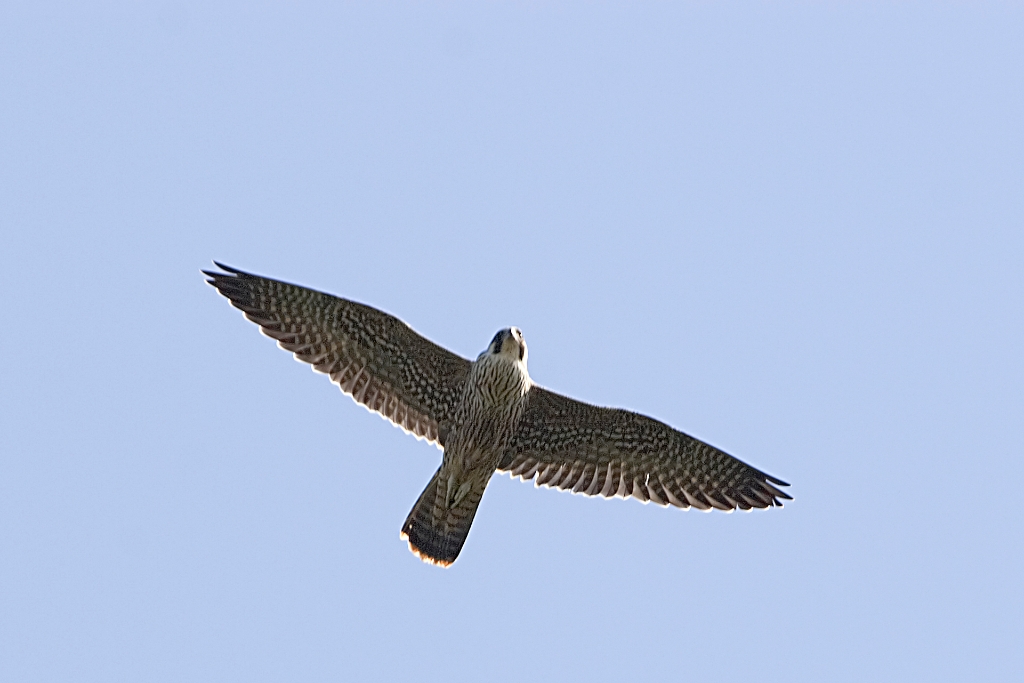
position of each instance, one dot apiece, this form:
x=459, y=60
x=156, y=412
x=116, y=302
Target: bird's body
x=489, y=410
x=489, y=416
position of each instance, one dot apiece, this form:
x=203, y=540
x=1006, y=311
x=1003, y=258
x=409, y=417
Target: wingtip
x=228, y=270
x=218, y=277
x=776, y=493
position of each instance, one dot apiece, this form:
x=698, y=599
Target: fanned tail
x=436, y=532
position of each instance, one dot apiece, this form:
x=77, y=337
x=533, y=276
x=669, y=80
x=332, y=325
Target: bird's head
x=509, y=342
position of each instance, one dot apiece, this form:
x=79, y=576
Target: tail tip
x=423, y=555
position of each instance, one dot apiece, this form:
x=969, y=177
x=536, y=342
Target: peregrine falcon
x=487, y=415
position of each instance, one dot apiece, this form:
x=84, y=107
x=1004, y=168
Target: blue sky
x=794, y=232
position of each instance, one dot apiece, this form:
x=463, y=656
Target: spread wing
x=603, y=451
x=375, y=358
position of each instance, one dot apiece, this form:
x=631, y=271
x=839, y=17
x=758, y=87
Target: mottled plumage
x=488, y=416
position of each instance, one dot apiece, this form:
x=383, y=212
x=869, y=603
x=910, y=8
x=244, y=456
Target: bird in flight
x=487, y=415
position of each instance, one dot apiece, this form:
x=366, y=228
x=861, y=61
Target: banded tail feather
x=435, y=531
